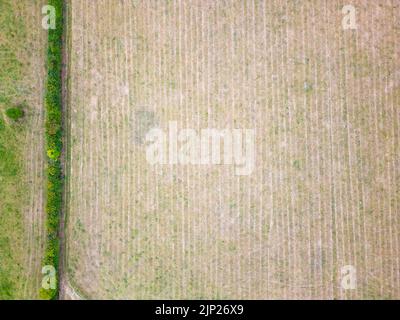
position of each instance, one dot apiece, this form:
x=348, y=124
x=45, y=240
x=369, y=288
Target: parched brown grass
x=324, y=103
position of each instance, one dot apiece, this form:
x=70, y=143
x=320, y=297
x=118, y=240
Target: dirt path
x=66, y=292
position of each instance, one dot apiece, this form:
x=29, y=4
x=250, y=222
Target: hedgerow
x=53, y=106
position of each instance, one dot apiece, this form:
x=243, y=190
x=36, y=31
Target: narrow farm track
x=66, y=292
x=324, y=192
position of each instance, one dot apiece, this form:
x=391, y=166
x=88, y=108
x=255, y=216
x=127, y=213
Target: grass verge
x=13, y=35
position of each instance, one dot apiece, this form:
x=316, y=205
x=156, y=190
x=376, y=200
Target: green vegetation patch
x=11, y=218
x=15, y=113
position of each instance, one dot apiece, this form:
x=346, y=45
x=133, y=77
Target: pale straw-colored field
x=324, y=192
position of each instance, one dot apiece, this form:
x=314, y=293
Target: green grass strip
x=54, y=134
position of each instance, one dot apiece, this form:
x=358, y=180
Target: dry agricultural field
x=324, y=193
